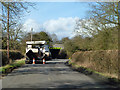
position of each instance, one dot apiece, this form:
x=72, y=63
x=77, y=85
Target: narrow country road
x=54, y=74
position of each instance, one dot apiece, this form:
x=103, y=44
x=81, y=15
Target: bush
x=70, y=48
x=62, y=54
x=14, y=55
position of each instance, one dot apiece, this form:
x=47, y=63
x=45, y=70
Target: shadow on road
x=54, y=70
x=68, y=84
x=49, y=67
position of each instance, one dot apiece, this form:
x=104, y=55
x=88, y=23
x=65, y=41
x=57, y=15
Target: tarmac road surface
x=53, y=74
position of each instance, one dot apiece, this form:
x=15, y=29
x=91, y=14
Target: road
x=53, y=74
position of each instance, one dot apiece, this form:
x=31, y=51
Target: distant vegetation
x=104, y=40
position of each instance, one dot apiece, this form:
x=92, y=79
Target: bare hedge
x=105, y=61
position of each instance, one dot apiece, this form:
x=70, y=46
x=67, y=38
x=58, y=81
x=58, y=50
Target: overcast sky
x=55, y=17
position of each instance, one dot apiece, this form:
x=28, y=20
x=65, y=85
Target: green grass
x=15, y=64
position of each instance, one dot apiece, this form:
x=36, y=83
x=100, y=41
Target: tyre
x=26, y=62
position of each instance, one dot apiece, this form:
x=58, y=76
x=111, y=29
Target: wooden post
x=119, y=40
x=8, y=32
x=31, y=33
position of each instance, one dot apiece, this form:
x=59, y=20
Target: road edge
x=94, y=75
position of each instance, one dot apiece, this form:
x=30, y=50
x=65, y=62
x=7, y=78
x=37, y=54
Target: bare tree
x=101, y=16
x=10, y=12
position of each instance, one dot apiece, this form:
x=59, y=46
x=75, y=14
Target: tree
x=38, y=36
x=70, y=47
x=10, y=10
x=104, y=16
x=65, y=39
x=54, y=37
x=105, y=12
x=42, y=36
x=101, y=25
x=15, y=36
x=4, y=40
x=101, y=16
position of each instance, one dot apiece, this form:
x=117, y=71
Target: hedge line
x=14, y=55
x=105, y=61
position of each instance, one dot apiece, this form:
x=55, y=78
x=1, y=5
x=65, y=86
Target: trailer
x=37, y=50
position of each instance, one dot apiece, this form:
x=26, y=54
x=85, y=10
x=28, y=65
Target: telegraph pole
x=119, y=40
x=8, y=32
x=31, y=33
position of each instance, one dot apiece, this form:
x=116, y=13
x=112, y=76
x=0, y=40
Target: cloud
x=30, y=23
x=62, y=27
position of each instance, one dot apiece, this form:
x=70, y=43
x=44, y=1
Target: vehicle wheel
x=26, y=62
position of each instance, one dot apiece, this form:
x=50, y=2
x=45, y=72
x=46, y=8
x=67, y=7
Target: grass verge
x=8, y=68
x=90, y=72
